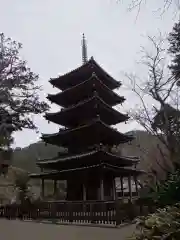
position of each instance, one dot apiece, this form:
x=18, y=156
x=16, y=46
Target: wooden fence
x=110, y=212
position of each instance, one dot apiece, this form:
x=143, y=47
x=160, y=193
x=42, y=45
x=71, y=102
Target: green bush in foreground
x=162, y=225
x=165, y=192
x=168, y=191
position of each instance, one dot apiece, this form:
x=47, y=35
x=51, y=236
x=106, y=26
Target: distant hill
x=26, y=158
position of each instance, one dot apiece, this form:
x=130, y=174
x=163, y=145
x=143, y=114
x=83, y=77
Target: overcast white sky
x=51, y=32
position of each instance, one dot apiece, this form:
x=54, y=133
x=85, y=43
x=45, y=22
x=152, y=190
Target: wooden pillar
x=102, y=189
x=122, y=187
x=113, y=189
x=136, y=185
x=84, y=192
x=42, y=187
x=55, y=188
x=130, y=188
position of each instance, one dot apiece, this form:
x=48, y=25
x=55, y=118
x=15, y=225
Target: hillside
x=26, y=158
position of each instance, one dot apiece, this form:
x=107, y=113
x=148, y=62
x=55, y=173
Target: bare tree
x=157, y=111
x=164, y=5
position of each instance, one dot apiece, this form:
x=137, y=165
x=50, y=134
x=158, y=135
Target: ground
x=17, y=230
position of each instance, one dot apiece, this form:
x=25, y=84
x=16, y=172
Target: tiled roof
x=92, y=122
x=81, y=84
x=86, y=154
x=88, y=101
x=91, y=62
x=101, y=165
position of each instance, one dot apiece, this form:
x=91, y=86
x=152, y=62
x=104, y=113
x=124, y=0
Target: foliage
x=163, y=225
x=174, y=50
x=167, y=121
x=19, y=96
x=169, y=190
x=21, y=186
x=165, y=192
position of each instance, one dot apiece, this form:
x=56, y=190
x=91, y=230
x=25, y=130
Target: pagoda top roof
x=84, y=90
x=83, y=72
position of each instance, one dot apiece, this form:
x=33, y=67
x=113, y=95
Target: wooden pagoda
x=89, y=165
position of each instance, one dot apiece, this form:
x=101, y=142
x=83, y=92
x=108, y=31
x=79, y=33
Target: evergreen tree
x=19, y=92
x=174, y=50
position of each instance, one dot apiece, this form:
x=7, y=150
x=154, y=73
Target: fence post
x=92, y=208
x=130, y=210
x=70, y=211
x=118, y=212
x=53, y=212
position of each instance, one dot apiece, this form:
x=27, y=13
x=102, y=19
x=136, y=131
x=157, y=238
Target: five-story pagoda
x=89, y=166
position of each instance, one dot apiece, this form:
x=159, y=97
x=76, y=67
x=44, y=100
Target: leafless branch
x=159, y=86
x=135, y=88
x=165, y=5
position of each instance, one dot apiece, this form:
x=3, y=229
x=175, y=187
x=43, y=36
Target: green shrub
x=166, y=192
x=162, y=225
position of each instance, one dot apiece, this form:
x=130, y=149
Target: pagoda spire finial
x=84, y=50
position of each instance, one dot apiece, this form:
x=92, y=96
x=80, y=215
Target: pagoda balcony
x=85, y=90
x=82, y=73
x=86, y=110
x=95, y=132
x=89, y=158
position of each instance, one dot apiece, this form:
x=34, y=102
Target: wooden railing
x=110, y=212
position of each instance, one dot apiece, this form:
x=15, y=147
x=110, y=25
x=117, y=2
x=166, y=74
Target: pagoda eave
x=82, y=73
x=94, y=169
x=88, y=158
x=84, y=91
x=71, y=117
x=82, y=136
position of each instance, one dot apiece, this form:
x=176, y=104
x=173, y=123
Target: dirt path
x=17, y=230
